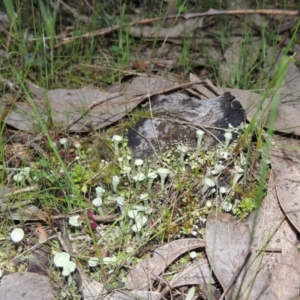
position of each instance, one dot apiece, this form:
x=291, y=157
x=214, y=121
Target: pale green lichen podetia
x=151, y=176
x=217, y=158
x=138, y=163
x=191, y=169
x=228, y=138
x=163, y=174
x=208, y=183
x=193, y=172
x=239, y=172
x=75, y=221
x=182, y=151
x=117, y=139
x=128, y=171
x=64, y=143
x=138, y=178
x=62, y=260
x=99, y=191
x=17, y=235
x=115, y=183
x=199, y=134
x=128, y=179
x=93, y=262
x=121, y=203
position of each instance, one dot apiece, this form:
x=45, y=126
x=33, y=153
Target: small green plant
x=243, y=208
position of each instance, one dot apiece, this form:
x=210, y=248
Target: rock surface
x=26, y=286
x=176, y=119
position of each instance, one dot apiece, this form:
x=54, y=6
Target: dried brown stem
x=210, y=12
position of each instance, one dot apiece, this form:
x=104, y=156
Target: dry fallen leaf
x=268, y=236
x=286, y=166
x=272, y=226
x=228, y=245
x=201, y=88
x=42, y=234
x=198, y=273
x=82, y=110
x=140, y=64
x=234, y=64
x=18, y=150
x=290, y=91
x=147, y=271
x=286, y=277
x=26, y=212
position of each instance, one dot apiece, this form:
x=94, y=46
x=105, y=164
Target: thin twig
x=153, y=148
x=211, y=12
x=9, y=106
x=97, y=218
x=27, y=189
x=73, y=11
x=202, y=126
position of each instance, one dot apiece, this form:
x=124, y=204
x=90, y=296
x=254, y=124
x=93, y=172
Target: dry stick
x=27, y=189
x=125, y=72
x=136, y=99
x=205, y=287
x=202, y=126
x=88, y=5
x=210, y=12
x=8, y=107
x=9, y=84
x=84, y=278
x=166, y=290
x=98, y=218
x=33, y=145
x=153, y=148
x=169, y=287
x=106, y=218
x=72, y=10
x=286, y=35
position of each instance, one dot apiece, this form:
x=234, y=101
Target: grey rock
x=176, y=119
x=26, y=286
